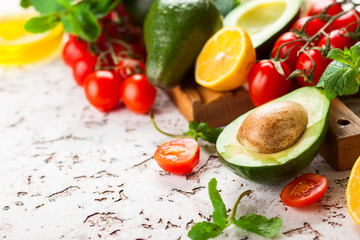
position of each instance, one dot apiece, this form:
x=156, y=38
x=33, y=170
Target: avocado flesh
x=279, y=166
x=175, y=32
x=264, y=20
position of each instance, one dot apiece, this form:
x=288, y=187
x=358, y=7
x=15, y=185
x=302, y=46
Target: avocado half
x=279, y=166
x=264, y=21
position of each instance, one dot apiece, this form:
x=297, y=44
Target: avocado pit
x=273, y=127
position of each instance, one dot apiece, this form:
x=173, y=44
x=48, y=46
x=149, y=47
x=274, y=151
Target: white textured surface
x=68, y=171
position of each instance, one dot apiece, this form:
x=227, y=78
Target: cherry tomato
x=319, y=6
x=266, y=83
x=138, y=94
x=128, y=67
x=74, y=50
x=178, y=156
x=102, y=90
x=291, y=49
x=82, y=68
x=304, y=190
x=337, y=40
x=311, y=27
x=304, y=62
x=348, y=20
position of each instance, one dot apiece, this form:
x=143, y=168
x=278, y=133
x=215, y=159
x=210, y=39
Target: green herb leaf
x=203, y=131
x=42, y=24
x=25, y=3
x=259, y=225
x=47, y=6
x=204, y=231
x=103, y=7
x=339, y=79
x=82, y=23
x=220, y=213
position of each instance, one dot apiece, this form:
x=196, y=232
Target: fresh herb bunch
x=196, y=131
x=77, y=17
x=342, y=76
x=251, y=222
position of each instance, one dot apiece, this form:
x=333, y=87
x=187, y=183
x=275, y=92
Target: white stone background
x=68, y=171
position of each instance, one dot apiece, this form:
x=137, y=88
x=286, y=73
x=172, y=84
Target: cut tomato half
x=304, y=190
x=178, y=156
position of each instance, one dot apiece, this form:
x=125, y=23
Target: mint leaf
x=42, y=24
x=203, y=131
x=219, y=214
x=340, y=56
x=47, y=6
x=82, y=23
x=25, y=3
x=339, y=79
x=259, y=225
x=355, y=55
x=204, y=231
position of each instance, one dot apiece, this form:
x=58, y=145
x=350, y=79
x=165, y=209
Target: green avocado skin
x=279, y=173
x=175, y=32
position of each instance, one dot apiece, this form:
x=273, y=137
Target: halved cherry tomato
x=337, y=39
x=304, y=190
x=319, y=6
x=178, y=156
x=138, y=94
x=311, y=27
x=304, y=63
x=266, y=83
x=102, y=90
x=291, y=48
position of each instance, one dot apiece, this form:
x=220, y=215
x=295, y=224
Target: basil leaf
x=339, y=79
x=42, y=24
x=220, y=213
x=82, y=23
x=204, y=231
x=47, y=6
x=259, y=225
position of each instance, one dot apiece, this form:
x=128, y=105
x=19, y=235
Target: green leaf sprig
x=196, y=131
x=251, y=222
x=342, y=76
x=77, y=17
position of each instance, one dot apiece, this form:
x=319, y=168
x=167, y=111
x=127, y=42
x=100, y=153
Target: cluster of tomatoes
x=302, y=51
x=112, y=68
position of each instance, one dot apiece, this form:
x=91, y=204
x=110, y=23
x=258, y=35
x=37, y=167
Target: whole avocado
x=175, y=32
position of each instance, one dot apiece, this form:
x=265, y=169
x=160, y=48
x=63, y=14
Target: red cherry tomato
x=128, y=67
x=74, y=50
x=311, y=27
x=304, y=62
x=304, y=190
x=266, y=83
x=138, y=94
x=319, y=6
x=291, y=49
x=82, y=68
x=348, y=20
x=178, y=156
x=102, y=90
x=337, y=40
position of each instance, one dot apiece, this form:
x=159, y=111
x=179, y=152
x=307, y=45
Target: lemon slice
x=224, y=62
x=17, y=46
x=353, y=193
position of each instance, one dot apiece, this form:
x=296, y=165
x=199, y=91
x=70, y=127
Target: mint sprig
x=77, y=17
x=196, y=131
x=342, y=76
x=251, y=222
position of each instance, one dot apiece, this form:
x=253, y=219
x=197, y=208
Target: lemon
x=353, y=193
x=224, y=62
